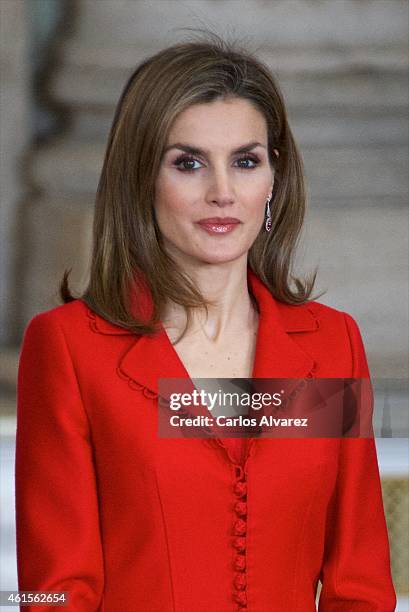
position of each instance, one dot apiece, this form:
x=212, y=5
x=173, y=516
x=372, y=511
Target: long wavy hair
x=127, y=246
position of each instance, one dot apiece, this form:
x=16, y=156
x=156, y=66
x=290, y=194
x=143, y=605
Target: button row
x=239, y=541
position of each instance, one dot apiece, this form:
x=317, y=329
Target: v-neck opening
x=237, y=448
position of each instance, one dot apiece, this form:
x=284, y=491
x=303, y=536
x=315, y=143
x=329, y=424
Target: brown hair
x=126, y=238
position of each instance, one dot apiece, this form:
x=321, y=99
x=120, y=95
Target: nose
x=220, y=189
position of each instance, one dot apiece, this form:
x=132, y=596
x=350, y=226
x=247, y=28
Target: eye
x=186, y=162
x=249, y=158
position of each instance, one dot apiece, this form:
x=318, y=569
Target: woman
x=198, y=210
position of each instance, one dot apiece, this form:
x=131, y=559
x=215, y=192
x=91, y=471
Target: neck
x=233, y=311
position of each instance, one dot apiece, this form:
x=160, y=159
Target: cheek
x=255, y=191
x=174, y=216
x=171, y=201
x=256, y=203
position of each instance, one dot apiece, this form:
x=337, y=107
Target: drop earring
x=269, y=222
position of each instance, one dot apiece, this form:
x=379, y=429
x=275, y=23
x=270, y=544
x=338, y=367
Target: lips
x=219, y=225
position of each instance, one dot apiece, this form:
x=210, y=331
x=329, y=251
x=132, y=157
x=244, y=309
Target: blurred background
x=342, y=66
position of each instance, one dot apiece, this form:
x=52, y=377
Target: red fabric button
x=239, y=471
x=240, y=582
x=240, y=527
x=241, y=508
x=239, y=543
x=240, y=562
x=240, y=488
x=240, y=598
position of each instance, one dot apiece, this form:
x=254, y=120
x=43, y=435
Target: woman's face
x=210, y=198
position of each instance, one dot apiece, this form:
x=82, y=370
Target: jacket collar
x=277, y=355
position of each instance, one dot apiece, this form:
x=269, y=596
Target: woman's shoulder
x=55, y=324
x=331, y=335
x=70, y=313
x=334, y=316
x=313, y=315
x=74, y=318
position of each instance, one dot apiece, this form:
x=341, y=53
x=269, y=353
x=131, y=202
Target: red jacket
x=126, y=521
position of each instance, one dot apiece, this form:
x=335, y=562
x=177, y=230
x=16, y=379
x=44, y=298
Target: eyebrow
x=196, y=151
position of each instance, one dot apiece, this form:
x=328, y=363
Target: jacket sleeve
x=57, y=521
x=356, y=573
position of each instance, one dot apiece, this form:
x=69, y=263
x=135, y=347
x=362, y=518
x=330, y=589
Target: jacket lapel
x=277, y=355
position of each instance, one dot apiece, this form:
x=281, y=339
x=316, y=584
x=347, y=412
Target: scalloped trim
x=133, y=384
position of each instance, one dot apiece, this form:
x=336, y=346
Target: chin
x=207, y=254
x=219, y=258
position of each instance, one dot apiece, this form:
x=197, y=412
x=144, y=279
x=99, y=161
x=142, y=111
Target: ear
x=276, y=152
